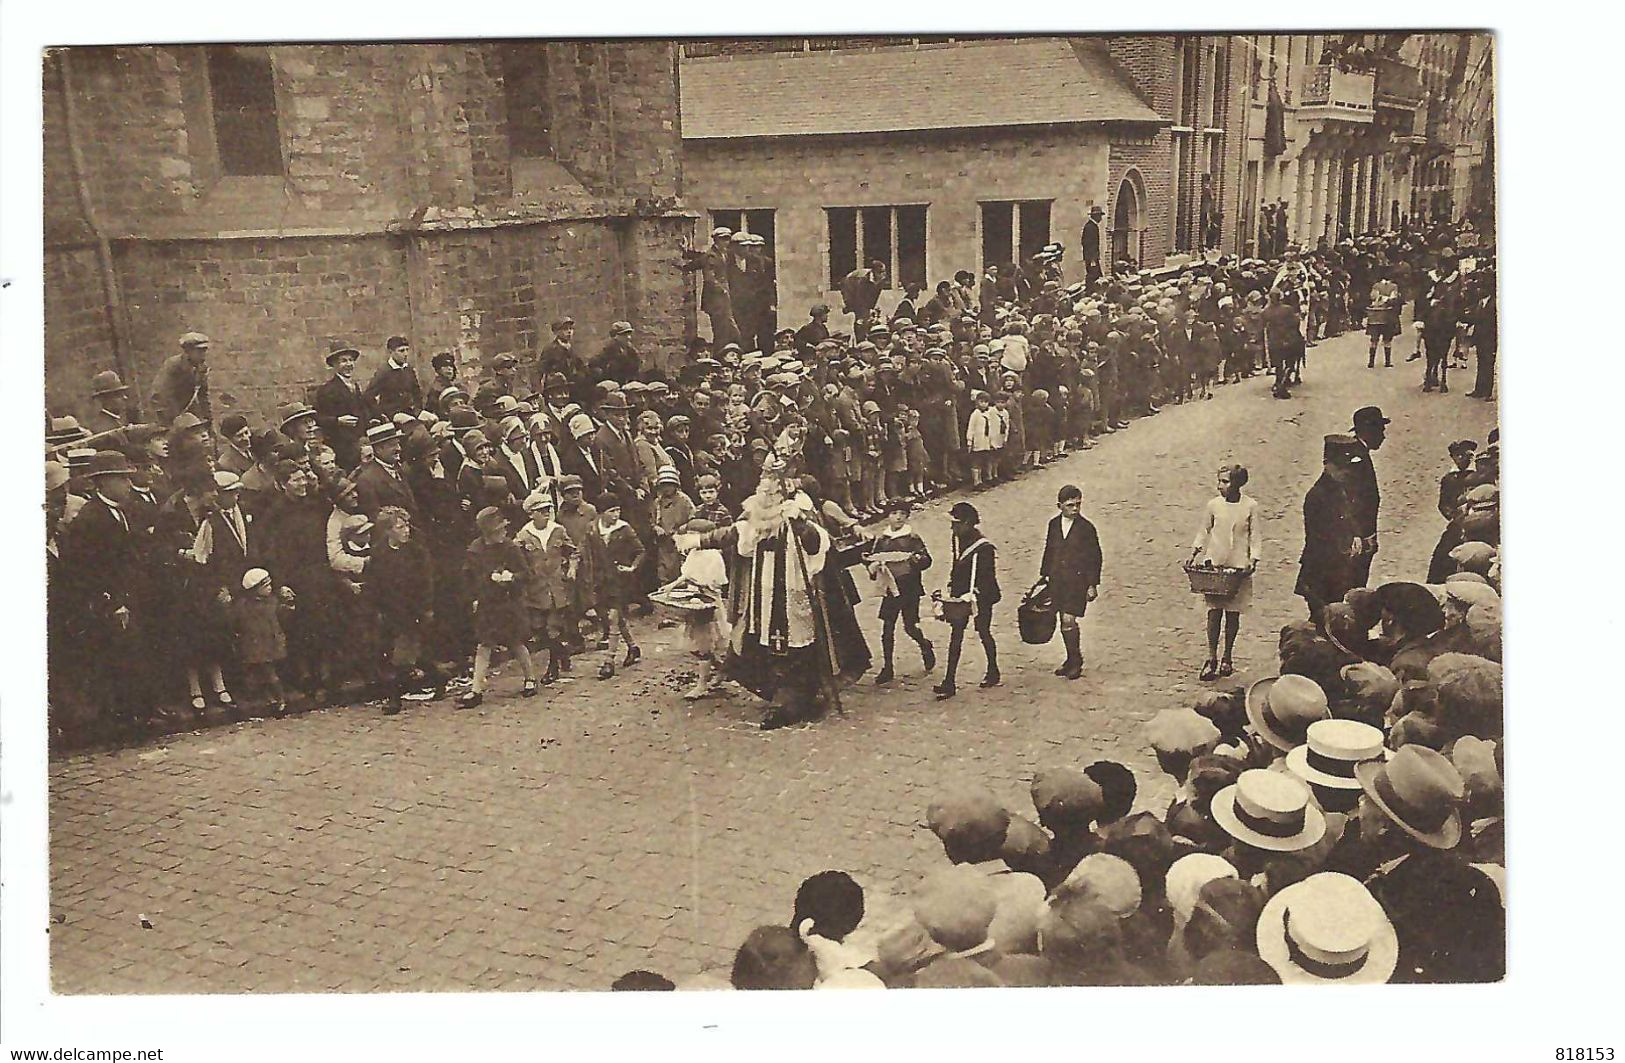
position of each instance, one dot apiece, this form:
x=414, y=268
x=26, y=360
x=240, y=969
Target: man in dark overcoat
x=1331, y=536
x=103, y=560
x=1071, y=567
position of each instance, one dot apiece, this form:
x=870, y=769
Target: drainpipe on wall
x=113, y=303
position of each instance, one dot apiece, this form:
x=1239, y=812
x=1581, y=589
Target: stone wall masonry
x=273, y=308
x=133, y=133
x=952, y=174
x=80, y=343
x=343, y=131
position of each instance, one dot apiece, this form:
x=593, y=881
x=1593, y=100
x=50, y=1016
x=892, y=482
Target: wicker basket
x=1214, y=580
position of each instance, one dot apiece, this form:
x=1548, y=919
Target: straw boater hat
x=1333, y=749
x=1420, y=791
x=1328, y=929
x=1281, y=708
x=1269, y=810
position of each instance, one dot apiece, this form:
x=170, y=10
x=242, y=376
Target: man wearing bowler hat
x=380, y=481
x=111, y=398
x=342, y=411
x=1331, y=527
x=182, y=383
x=1370, y=429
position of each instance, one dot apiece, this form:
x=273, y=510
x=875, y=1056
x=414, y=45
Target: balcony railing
x=1333, y=93
x=1399, y=85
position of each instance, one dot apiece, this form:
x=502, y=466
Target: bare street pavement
x=557, y=842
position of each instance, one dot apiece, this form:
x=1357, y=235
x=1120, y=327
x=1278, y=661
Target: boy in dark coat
x=1071, y=566
x=896, y=558
x=974, y=578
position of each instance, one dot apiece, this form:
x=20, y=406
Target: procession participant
x=552, y=556
x=1229, y=538
x=342, y=411
x=1283, y=341
x=973, y=581
x=111, y=398
x=783, y=649
x=1382, y=320
x=1331, y=528
x=1482, y=314
x=1071, y=567
x=182, y=383
x=1439, y=332
x=896, y=557
x=1370, y=429
x=498, y=577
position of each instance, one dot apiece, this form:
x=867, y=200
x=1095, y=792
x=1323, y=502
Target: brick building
x=942, y=154
x=1370, y=133
x=287, y=198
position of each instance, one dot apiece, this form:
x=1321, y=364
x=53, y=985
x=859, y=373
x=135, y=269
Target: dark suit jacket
x=1072, y=565
x=617, y=462
x=333, y=400
x=584, y=460
x=101, y=563
x=376, y=488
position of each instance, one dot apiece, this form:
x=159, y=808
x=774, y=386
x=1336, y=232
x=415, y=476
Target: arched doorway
x=1127, y=226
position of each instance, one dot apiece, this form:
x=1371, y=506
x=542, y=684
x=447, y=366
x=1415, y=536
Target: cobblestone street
x=558, y=842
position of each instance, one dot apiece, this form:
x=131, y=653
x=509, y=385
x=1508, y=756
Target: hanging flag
x=1274, y=124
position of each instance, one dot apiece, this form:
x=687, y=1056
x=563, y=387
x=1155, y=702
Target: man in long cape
x=782, y=647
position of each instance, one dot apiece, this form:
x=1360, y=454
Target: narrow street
x=558, y=842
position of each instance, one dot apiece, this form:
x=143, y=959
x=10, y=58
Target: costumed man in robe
x=781, y=647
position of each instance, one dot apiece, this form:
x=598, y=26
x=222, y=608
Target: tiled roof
x=961, y=85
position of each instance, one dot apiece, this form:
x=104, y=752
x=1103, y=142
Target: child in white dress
x=1229, y=538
